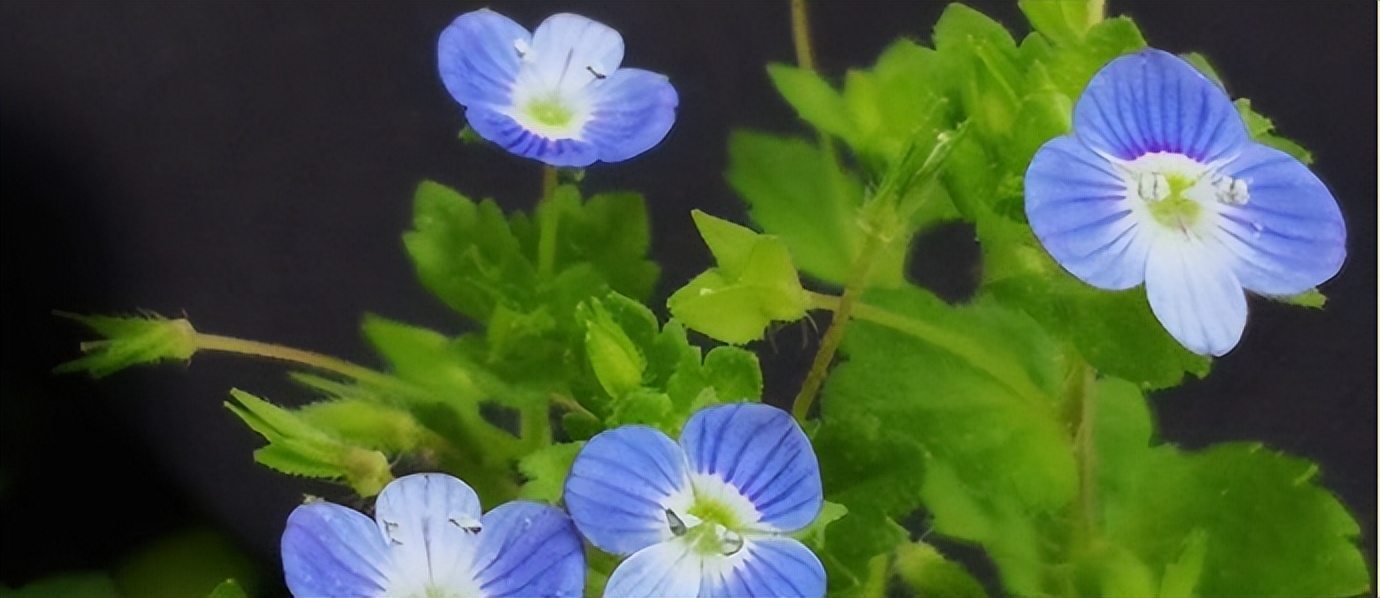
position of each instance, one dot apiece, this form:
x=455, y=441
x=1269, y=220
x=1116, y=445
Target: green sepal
x=754, y=284
x=130, y=340
x=298, y=448
x=814, y=535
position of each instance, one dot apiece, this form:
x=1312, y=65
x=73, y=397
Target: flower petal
x=1289, y=236
x=332, y=551
x=669, y=568
x=766, y=566
x=478, y=57
x=1195, y=295
x=570, y=51
x=1153, y=101
x=428, y=520
x=529, y=549
x=620, y=486
x=632, y=111
x=1079, y=208
x=759, y=450
x=503, y=130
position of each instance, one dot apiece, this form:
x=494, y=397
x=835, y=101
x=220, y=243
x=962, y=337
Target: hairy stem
x=843, y=312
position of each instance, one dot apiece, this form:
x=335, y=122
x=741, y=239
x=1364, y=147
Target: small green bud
x=135, y=340
x=617, y=362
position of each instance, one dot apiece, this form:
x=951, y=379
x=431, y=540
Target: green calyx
x=549, y=112
x=1176, y=210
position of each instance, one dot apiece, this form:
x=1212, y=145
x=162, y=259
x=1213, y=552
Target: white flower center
x=713, y=516
x=1178, y=192
x=552, y=109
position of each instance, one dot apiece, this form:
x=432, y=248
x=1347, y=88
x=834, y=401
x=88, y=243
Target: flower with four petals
x=707, y=516
x=428, y=540
x=556, y=95
x=1161, y=183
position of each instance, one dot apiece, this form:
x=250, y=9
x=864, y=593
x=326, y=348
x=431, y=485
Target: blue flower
x=1161, y=183
x=556, y=95
x=707, y=516
x=430, y=541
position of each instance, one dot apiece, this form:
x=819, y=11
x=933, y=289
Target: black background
x=252, y=164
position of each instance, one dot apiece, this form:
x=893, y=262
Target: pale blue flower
x=428, y=540
x=1161, y=183
x=556, y=95
x=705, y=517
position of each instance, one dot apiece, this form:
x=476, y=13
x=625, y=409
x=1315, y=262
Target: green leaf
x=991, y=92
x=794, y=191
x=734, y=374
x=968, y=397
x=466, y=254
x=1063, y=21
x=813, y=535
x=188, y=562
x=852, y=545
x=645, y=407
x=754, y=285
x=813, y=99
x=1267, y=528
x=131, y=340
x=930, y=575
x=476, y=259
x=545, y=470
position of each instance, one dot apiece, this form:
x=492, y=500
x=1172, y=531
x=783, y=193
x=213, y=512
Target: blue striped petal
x=620, y=486
x=759, y=450
x=510, y=135
x=1194, y=293
x=331, y=551
x=669, y=568
x=1289, y=236
x=569, y=52
x=1153, y=101
x=1078, y=206
x=429, y=519
x=529, y=549
x=478, y=58
x=633, y=111
x=766, y=566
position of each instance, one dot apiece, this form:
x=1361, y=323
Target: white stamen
x=1153, y=186
x=390, y=527
x=677, y=526
x=523, y=48
x=1232, y=192
x=468, y=524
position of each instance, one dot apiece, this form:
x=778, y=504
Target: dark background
x=252, y=164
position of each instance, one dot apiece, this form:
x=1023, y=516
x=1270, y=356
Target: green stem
x=549, y=221
x=800, y=34
x=1082, y=391
x=843, y=312
x=486, y=438
x=228, y=344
